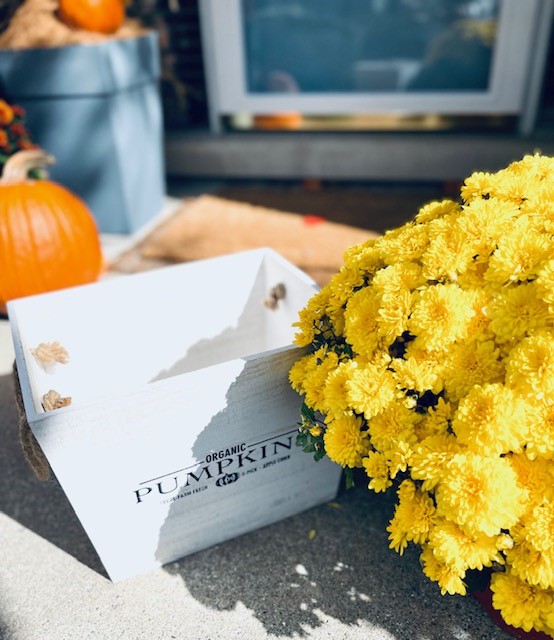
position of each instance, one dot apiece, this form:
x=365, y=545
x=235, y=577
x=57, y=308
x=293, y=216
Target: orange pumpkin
x=48, y=237
x=276, y=121
x=104, y=16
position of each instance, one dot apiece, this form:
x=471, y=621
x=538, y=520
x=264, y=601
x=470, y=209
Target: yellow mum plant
x=430, y=365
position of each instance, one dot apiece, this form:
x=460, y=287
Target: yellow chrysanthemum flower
x=517, y=184
x=518, y=311
x=397, y=278
x=477, y=186
x=335, y=392
x=514, y=186
x=530, y=366
x=310, y=316
x=301, y=368
x=545, y=283
x=426, y=359
x=366, y=257
x=436, y=421
x=318, y=302
x=392, y=425
x=479, y=326
x=417, y=375
x=342, y=286
x=535, y=566
x=519, y=255
x=539, y=206
x=393, y=315
x=362, y=322
x=314, y=380
x=454, y=310
x=397, y=536
x=541, y=166
x=539, y=528
x=336, y=320
x=451, y=544
x=441, y=315
x=491, y=418
x=540, y=441
x=430, y=458
x=470, y=364
x=371, y=389
x=472, y=278
x=404, y=244
x=521, y=604
x=353, y=253
x=449, y=253
x=484, y=221
x=535, y=478
x=413, y=517
x=307, y=330
x=377, y=469
x=547, y=618
x=450, y=577
x=423, y=430
x=440, y=416
x=479, y=493
x=345, y=442
x=437, y=209
x=399, y=457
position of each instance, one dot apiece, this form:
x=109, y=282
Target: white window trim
x=222, y=35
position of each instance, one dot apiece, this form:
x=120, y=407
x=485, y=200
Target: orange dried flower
x=6, y=113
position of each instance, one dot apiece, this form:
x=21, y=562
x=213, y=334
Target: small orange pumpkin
x=48, y=237
x=104, y=16
x=276, y=121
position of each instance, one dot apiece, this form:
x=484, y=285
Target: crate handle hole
x=276, y=293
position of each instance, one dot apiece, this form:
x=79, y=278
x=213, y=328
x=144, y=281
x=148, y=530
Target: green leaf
x=307, y=412
x=349, y=477
x=319, y=455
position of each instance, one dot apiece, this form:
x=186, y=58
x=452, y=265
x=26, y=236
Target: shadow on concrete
x=39, y=506
x=3, y=629
x=293, y=583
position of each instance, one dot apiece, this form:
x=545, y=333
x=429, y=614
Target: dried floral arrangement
x=431, y=365
x=13, y=132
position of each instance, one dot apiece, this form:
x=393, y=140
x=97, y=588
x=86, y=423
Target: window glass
x=369, y=45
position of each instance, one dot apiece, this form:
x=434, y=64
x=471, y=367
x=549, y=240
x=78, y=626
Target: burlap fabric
x=31, y=448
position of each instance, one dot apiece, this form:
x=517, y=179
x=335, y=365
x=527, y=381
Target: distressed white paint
x=168, y=369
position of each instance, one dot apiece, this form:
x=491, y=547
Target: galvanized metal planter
x=96, y=108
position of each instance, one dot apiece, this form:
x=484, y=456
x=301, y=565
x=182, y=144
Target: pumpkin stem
x=18, y=166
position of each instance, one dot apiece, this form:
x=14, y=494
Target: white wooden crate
x=181, y=433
